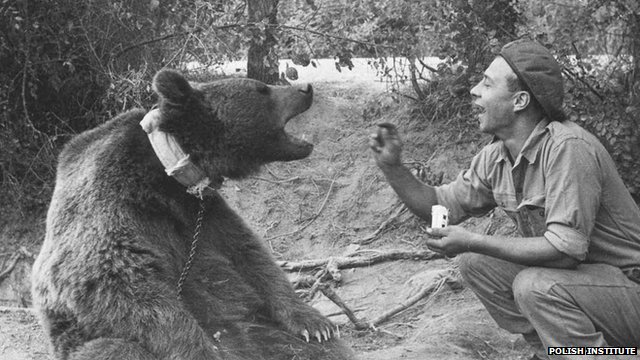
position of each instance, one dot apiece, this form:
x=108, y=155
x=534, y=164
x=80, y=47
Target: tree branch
x=247, y=25
x=445, y=278
x=432, y=69
x=351, y=262
x=331, y=295
x=335, y=36
x=12, y=264
x=175, y=35
x=574, y=76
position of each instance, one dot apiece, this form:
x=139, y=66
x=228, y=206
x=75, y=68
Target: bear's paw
x=308, y=323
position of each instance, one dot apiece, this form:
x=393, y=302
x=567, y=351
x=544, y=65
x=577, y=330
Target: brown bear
x=121, y=234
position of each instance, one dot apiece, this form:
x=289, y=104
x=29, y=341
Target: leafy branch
x=246, y=26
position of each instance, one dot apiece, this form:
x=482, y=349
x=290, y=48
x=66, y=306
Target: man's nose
x=474, y=91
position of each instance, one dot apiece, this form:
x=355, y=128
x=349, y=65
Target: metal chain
x=192, y=252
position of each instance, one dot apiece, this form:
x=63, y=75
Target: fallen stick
x=369, y=238
x=303, y=281
x=426, y=291
x=341, y=312
x=446, y=277
x=351, y=262
x=329, y=271
x=331, y=295
x=311, y=219
x=333, y=270
x=316, y=285
x=276, y=181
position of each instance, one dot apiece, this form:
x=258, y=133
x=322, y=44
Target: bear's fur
x=119, y=232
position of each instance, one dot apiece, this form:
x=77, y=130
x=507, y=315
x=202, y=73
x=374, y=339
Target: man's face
x=493, y=101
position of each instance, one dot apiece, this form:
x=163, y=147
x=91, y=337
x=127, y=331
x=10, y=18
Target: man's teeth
x=304, y=137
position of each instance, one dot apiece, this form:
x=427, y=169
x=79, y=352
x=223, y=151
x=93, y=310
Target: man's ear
x=521, y=100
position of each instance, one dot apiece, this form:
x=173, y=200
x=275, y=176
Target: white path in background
x=325, y=70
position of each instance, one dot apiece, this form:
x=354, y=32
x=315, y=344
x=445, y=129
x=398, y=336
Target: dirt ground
x=321, y=207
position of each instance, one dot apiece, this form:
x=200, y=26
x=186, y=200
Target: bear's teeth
x=304, y=137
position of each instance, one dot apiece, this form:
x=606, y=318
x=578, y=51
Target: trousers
x=592, y=305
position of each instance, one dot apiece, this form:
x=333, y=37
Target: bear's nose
x=305, y=88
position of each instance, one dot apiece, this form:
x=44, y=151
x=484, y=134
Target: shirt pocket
x=532, y=219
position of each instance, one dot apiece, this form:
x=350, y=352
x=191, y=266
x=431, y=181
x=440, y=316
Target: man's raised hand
x=386, y=145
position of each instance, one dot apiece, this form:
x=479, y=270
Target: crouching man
x=573, y=277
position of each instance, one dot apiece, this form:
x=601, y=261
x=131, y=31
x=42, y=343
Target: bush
x=66, y=66
x=598, y=42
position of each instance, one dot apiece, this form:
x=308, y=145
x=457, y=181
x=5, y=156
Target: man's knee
x=474, y=267
x=532, y=285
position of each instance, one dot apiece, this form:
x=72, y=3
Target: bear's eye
x=262, y=89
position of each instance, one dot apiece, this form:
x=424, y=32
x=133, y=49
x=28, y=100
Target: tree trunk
x=262, y=60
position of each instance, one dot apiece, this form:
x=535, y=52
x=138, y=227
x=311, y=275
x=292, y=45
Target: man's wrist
x=390, y=168
x=473, y=241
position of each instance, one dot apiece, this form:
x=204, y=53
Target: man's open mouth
x=476, y=110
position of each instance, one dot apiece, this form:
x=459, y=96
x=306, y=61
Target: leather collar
x=176, y=162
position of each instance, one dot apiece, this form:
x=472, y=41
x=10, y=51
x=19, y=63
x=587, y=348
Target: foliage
x=66, y=66
x=598, y=43
x=399, y=35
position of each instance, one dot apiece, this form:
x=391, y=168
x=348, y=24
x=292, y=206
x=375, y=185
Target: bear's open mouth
x=295, y=146
x=299, y=139
x=292, y=145
x=298, y=147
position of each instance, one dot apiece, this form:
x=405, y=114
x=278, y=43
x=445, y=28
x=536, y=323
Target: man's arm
x=417, y=196
x=532, y=251
x=387, y=149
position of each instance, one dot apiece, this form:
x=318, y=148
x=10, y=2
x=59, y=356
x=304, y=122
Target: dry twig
x=280, y=181
x=359, y=261
x=329, y=272
x=303, y=281
x=13, y=261
x=369, y=238
x=445, y=278
x=331, y=295
x=312, y=218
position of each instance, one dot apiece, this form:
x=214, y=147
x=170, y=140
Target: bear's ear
x=172, y=86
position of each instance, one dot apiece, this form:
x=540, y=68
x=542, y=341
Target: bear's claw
x=323, y=335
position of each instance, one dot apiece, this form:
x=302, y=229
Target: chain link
x=192, y=252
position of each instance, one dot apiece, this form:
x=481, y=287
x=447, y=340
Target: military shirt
x=563, y=185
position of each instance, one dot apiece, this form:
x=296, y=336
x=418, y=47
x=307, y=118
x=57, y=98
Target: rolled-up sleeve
x=573, y=191
x=470, y=193
x=568, y=240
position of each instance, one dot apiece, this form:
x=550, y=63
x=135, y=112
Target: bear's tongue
x=295, y=148
x=298, y=141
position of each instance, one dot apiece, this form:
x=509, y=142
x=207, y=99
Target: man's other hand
x=450, y=240
x=386, y=146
